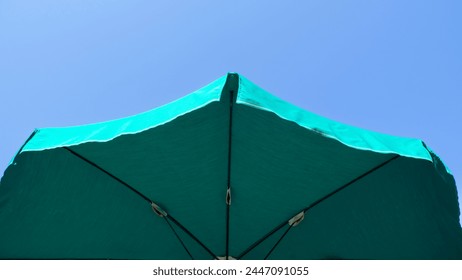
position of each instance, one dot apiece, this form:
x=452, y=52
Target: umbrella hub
x=226, y=258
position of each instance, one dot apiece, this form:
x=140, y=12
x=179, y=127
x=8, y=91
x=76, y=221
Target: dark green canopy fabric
x=229, y=171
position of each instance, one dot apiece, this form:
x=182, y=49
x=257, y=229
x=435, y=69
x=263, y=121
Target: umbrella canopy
x=229, y=171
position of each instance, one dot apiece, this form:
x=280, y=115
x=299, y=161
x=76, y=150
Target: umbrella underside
x=227, y=172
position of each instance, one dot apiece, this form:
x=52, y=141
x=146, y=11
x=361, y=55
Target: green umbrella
x=227, y=172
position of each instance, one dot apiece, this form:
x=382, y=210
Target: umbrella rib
x=228, y=191
x=277, y=228
x=144, y=197
x=179, y=239
x=27, y=141
x=256, y=243
x=109, y=174
x=277, y=243
x=350, y=183
x=192, y=236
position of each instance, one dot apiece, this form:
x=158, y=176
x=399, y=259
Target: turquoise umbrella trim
x=50, y=138
x=251, y=95
x=248, y=94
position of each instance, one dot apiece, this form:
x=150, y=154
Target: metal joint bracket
x=297, y=219
x=159, y=211
x=228, y=196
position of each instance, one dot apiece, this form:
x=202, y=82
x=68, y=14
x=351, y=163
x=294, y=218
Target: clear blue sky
x=391, y=66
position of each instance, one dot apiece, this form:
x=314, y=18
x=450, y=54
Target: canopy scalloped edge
x=248, y=94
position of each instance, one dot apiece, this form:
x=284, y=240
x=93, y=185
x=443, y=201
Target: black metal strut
x=304, y=210
x=160, y=212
